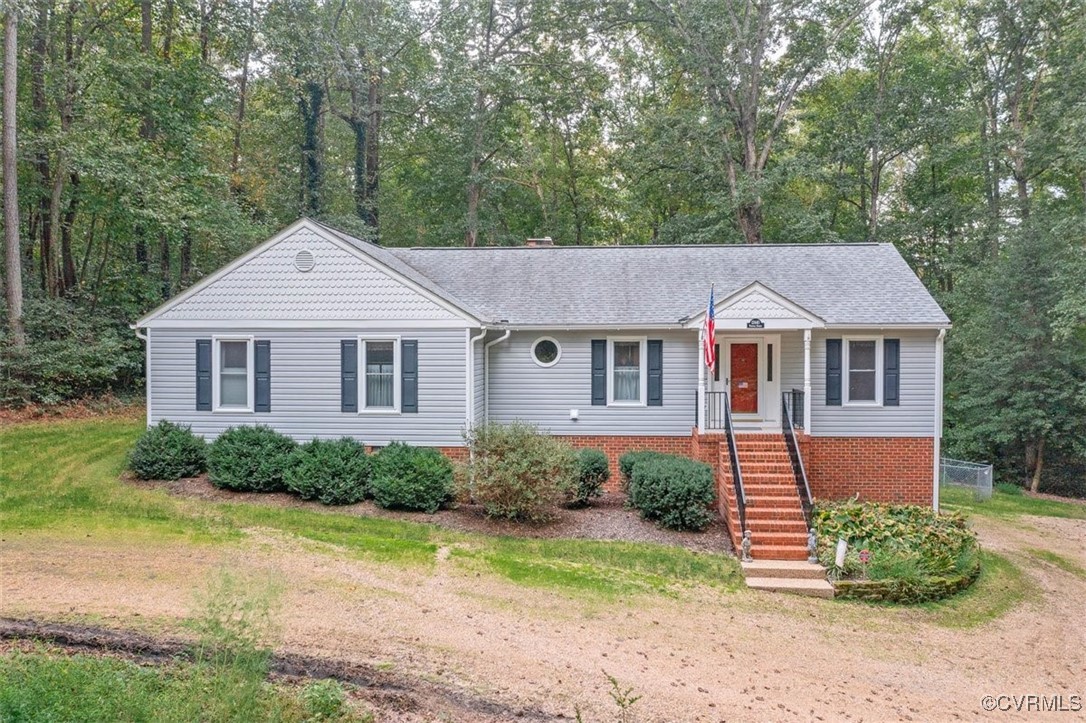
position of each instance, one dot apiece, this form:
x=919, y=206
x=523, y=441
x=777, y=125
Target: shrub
x=594, y=472
x=674, y=491
x=249, y=459
x=518, y=473
x=168, y=451
x=411, y=478
x=334, y=473
x=628, y=461
x=905, y=542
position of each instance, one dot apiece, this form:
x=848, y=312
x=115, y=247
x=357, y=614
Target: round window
x=546, y=352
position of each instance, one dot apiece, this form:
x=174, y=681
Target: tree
x=12, y=257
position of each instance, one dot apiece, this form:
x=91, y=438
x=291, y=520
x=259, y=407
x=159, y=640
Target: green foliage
x=628, y=461
x=1008, y=488
x=324, y=700
x=595, y=471
x=72, y=352
x=250, y=459
x=411, y=478
x=909, y=544
x=518, y=473
x=168, y=451
x=334, y=473
x=674, y=491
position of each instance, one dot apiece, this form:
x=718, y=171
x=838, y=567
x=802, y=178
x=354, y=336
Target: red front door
x=744, y=377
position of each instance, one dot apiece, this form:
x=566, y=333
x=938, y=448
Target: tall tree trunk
x=311, y=106
x=186, y=259
x=243, y=94
x=373, y=149
x=146, y=129
x=164, y=260
x=750, y=221
x=13, y=281
x=67, y=260
x=1035, y=453
x=360, y=128
x=39, y=53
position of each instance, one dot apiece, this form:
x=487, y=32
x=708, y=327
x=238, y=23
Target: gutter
x=486, y=371
x=469, y=354
x=937, y=438
x=146, y=367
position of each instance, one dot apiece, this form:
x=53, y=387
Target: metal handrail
x=798, y=471
x=737, y=474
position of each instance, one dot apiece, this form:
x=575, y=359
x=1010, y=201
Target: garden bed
x=606, y=519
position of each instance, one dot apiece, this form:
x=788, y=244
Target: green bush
x=168, y=451
x=628, y=461
x=249, y=459
x=70, y=353
x=594, y=472
x=1009, y=488
x=518, y=473
x=909, y=543
x=334, y=473
x=411, y=478
x=674, y=491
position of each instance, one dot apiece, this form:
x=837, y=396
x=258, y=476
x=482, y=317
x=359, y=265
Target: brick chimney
x=536, y=242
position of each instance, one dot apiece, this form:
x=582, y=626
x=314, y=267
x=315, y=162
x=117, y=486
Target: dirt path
x=702, y=657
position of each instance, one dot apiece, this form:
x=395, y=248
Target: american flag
x=710, y=334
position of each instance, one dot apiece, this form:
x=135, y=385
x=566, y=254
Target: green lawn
x=63, y=477
x=1005, y=506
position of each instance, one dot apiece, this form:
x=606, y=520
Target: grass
x=64, y=477
x=1000, y=587
x=1059, y=561
x=1008, y=506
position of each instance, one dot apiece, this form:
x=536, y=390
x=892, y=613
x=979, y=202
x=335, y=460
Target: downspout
x=469, y=354
x=146, y=339
x=486, y=371
x=938, y=431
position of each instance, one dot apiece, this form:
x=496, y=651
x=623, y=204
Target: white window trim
x=846, y=372
x=643, y=371
x=536, y=343
x=216, y=371
x=397, y=380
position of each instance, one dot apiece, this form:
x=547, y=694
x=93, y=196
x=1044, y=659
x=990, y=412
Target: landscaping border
x=908, y=592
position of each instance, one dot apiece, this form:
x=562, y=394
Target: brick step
x=768, y=477
x=809, y=588
x=756, y=512
x=780, y=538
x=758, y=436
x=784, y=569
x=778, y=552
x=771, y=490
x=787, y=501
x=759, y=526
x=761, y=448
x=763, y=467
x=746, y=458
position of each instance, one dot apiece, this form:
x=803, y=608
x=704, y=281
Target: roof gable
x=343, y=284
x=758, y=301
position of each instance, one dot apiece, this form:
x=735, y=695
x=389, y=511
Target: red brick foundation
x=878, y=469
x=615, y=446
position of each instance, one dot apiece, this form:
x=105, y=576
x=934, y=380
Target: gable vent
x=303, y=260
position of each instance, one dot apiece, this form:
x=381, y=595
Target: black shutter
x=656, y=373
x=833, y=372
x=716, y=367
x=203, y=375
x=262, y=371
x=348, y=375
x=599, y=372
x=891, y=372
x=409, y=373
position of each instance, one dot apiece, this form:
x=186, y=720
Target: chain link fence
x=977, y=477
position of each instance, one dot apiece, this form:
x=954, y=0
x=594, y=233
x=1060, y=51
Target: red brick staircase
x=774, y=512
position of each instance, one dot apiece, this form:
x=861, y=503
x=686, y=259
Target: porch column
x=807, y=381
x=701, y=381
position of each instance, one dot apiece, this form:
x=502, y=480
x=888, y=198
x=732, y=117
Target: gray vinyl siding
x=791, y=360
x=305, y=387
x=915, y=417
x=479, y=380
x=520, y=389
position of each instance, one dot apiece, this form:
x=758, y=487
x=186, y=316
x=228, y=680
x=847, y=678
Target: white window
x=546, y=351
x=379, y=371
x=863, y=370
x=626, y=371
x=233, y=378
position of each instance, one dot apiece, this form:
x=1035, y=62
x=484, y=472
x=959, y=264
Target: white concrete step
x=794, y=586
x=784, y=569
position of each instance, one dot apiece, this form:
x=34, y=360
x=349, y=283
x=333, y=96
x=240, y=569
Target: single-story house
x=829, y=375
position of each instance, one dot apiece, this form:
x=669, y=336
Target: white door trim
x=768, y=414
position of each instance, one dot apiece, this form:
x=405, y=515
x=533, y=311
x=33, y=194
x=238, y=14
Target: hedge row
x=259, y=459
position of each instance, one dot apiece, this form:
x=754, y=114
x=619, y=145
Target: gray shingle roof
x=861, y=284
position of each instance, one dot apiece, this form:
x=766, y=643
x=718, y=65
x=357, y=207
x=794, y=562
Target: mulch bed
x=606, y=519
